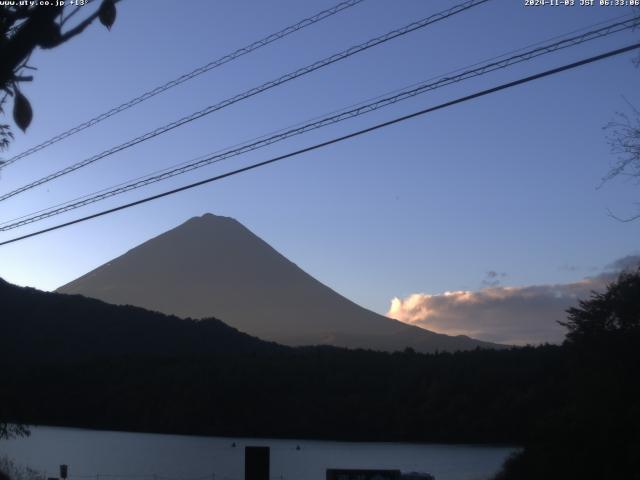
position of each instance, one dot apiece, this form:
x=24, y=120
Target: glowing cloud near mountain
x=514, y=315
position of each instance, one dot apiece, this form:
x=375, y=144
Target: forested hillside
x=67, y=360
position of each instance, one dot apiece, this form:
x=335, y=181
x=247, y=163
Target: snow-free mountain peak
x=213, y=266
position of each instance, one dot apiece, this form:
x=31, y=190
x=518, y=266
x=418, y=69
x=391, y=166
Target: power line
x=254, y=91
x=188, y=76
x=322, y=122
x=441, y=106
x=486, y=60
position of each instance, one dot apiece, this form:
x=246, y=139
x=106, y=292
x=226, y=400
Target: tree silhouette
x=23, y=28
x=595, y=431
x=615, y=311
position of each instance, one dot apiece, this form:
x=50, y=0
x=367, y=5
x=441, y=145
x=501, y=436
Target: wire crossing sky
x=613, y=25
x=337, y=140
x=413, y=26
x=610, y=29
x=186, y=77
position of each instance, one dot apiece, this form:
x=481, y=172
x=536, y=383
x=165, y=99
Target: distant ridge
x=212, y=266
x=39, y=326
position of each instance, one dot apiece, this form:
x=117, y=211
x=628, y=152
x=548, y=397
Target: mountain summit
x=214, y=266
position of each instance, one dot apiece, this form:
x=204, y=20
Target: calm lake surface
x=104, y=455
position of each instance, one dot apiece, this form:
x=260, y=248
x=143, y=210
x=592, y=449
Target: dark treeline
x=314, y=393
x=71, y=360
x=594, y=431
x=67, y=360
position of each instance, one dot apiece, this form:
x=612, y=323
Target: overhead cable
x=322, y=122
x=186, y=77
x=441, y=106
x=254, y=91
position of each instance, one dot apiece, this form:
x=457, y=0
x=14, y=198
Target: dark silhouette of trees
x=8, y=430
x=74, y=361
x=70, y=360
x=23, y=28
x=616, y=311
x=595, y=432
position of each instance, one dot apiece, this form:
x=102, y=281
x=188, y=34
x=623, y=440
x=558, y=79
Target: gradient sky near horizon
x=506, y=183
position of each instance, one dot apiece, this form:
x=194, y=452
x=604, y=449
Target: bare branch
x=624, y=141
x=78, y=29
x=68, y=17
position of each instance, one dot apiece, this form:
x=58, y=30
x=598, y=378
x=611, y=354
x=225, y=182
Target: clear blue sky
x=504, y=183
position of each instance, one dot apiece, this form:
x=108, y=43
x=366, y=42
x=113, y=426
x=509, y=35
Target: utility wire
x=486, y=60
x=441, y=106
x=254, y=91
x=188, y=76
x=322, y=122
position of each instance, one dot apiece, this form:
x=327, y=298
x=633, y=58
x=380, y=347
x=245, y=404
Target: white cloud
x=513, y=315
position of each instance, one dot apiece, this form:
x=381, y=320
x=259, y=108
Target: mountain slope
x=38, y=326
x=214, y=266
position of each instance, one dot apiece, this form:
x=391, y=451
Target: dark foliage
x=615, y=312
x=40, y=327
x=315, y=392
x=9, y=430
x=597, y=432
x=68, y=360
x=26, y=26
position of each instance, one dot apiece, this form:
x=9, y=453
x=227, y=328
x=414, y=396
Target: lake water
x=105, y=455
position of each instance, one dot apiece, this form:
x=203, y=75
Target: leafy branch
x=23, y=28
